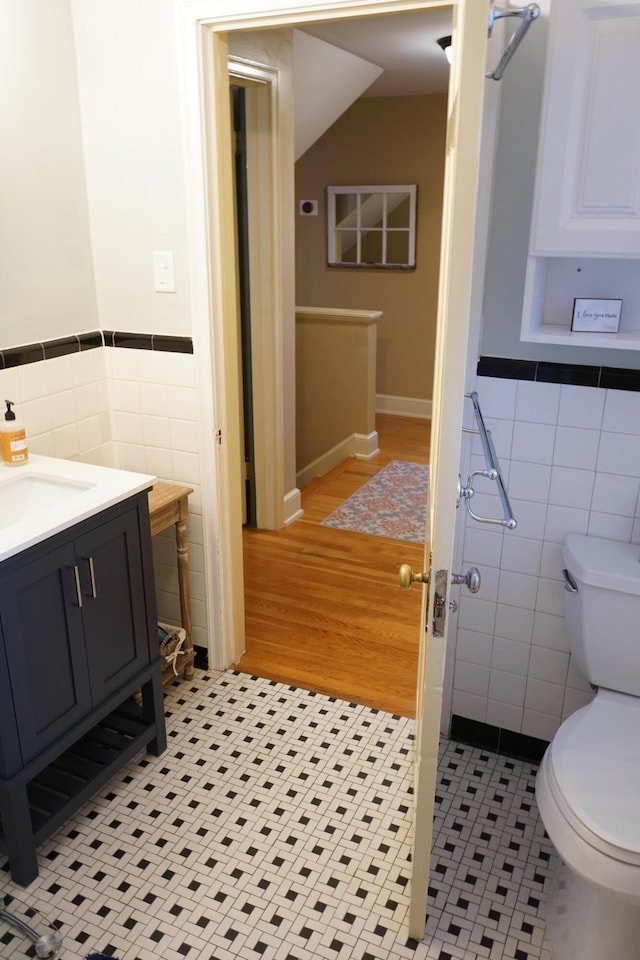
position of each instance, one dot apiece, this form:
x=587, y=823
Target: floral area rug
x=392, y=504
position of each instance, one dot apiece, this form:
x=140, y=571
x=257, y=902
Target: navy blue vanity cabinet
x=78, y=638
x=113, y=611
x=45, y=651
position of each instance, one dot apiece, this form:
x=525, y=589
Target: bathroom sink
x=48, y=495
x=23, y=495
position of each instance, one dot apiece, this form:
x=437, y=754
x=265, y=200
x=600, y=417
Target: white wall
x=129, y=100
x=45, y=251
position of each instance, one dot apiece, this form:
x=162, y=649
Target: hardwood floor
x=323, y=608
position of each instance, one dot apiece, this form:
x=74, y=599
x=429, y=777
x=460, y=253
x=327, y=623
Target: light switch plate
x=164, y=278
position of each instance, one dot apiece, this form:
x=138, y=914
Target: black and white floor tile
x=277, y=826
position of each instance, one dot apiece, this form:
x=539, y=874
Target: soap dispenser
x=13, y=439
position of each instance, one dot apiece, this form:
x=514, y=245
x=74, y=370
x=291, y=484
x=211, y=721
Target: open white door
x=466, y=95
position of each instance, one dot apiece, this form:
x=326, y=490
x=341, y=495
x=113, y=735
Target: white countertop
x=47, y=495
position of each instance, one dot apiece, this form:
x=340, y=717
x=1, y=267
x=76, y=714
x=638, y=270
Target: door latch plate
x=440, y=602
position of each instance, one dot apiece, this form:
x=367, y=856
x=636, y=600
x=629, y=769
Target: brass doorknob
x=407, y=577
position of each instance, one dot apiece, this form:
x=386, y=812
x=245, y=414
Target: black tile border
x=611, y=378
x=507, y=369
x=78, y=343
x=617, y=379
x=161, y=342
x=89, y=341
x=19, y=356
x=133, y=341
x=172, y=344
x=497, y=740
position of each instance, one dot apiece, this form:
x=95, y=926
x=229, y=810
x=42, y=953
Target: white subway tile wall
x=571, y=459
x=64, y=403
x=154, y=429
x=133, y=409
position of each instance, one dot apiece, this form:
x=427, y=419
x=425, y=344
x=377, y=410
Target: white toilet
x=588, y=785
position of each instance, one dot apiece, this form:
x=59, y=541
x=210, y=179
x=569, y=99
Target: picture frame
x=596, y=315
x=372, y=227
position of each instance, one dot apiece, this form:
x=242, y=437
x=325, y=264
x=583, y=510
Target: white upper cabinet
x=587, y=200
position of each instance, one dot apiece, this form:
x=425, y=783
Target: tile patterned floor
x=276, y=826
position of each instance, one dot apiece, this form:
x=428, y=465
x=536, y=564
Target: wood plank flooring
x=323, y=609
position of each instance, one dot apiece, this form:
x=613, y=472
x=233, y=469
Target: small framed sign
x=596, y=316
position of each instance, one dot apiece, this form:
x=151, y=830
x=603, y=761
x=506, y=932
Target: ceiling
x=405, y=45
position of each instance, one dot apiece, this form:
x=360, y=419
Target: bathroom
x=83, y=404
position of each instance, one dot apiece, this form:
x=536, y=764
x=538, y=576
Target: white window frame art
x=357, y=226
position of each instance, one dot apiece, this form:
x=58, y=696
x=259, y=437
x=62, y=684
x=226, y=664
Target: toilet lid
x=595, y=762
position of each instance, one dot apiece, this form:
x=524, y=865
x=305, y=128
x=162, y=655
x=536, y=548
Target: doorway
x=260, y=571
x=205, y=58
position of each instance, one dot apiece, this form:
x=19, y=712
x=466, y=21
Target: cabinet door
x=588, y=185
x=44, y=644
x=114, y=610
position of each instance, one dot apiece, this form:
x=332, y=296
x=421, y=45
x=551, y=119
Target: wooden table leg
x=184, y=586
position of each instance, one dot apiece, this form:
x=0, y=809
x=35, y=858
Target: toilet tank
x=603, y=615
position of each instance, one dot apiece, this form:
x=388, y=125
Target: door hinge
x=217, y=435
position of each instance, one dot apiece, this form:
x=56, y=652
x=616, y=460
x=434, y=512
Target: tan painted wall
x=335, y=389
x=380, y=140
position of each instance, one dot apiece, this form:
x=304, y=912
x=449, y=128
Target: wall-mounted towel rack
x=491, y=473
x=526, y=15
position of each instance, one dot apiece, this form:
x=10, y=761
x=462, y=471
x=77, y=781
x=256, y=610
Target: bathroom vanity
x=78, y=638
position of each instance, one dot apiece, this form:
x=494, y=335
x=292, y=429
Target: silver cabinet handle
x=92, y=574
x=76, y=574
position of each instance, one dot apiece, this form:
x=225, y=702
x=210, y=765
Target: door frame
x=263, y=186
x=203, y=65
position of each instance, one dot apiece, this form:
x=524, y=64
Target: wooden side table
x=169, y=506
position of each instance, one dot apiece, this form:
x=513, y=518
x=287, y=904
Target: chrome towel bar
x=492, y=472
x=526, y=15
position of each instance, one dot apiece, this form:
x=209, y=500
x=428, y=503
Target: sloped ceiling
x=335, y=62
x=327, y=80
x=405, y=45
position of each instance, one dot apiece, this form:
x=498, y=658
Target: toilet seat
x=588, y=793
x=594, y=774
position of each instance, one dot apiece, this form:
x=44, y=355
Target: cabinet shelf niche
x=551, y=285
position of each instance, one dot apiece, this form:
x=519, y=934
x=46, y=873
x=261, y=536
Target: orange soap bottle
x=13, y=439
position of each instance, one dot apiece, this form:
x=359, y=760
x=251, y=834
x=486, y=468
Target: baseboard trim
x=365, y=445
x=292, y=506
x=331, y=458
x=403, y=406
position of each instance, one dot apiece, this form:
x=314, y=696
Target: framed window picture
x=596, y=316
x=372, y=226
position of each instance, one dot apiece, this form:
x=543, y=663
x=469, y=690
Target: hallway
x=323, y=608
